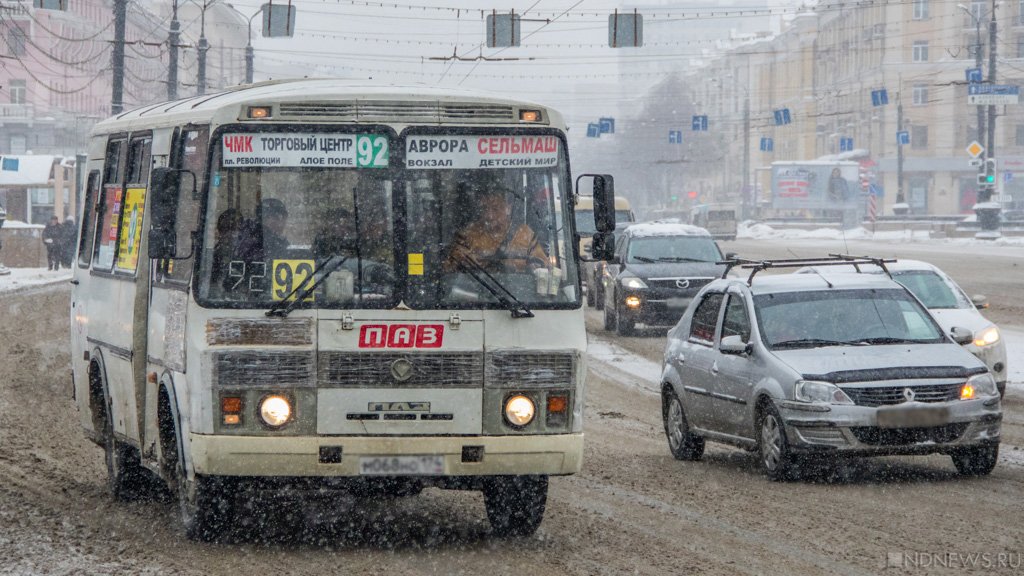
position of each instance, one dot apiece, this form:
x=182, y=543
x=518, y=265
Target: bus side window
x=88, y=220
x=190, y=154
x=133, y=204
x=109, y=205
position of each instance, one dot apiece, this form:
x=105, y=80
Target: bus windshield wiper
x=507, y=299
x=286, y=305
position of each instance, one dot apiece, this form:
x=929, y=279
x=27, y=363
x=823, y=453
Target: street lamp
x=272, y=28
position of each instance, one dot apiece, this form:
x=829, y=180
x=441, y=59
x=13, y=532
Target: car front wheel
x=977, y=460
x=683, y=444
x=774, y=454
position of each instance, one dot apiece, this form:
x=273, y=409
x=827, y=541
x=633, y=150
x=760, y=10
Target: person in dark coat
x=52, y=239
x=69, y=238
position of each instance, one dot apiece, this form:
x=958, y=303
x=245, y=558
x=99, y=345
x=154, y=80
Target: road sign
x=975, y=162
x=700, y=123
x=782, y=117
x=975, y=149
x=974, y=75
x=767, y=144
x=607, y=125
x=845, y=144
x=625, y=30
x=503, y=30
x=1007, y=176
x=992, y=94
x=879, y=97
x=675, y=136
x=903, y=138
x=593, y=130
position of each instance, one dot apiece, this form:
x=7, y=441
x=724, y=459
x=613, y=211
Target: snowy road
x=633, y=509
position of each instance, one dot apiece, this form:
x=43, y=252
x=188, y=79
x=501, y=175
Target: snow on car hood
x=889, y=362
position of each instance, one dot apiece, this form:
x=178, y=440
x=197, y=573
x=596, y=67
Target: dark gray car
x=657, y=270
x=802, y=367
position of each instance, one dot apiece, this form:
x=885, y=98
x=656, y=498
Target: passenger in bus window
x=493, y=241
x=262, y=239
x=228, y=224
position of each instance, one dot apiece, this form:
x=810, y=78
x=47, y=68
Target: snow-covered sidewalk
x=26, y=277
x=757, y=231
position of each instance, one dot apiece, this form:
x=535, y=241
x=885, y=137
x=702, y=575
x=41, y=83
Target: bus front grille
x=525, y=369
x=395, y=111
x=388, y=369
x=256, y=368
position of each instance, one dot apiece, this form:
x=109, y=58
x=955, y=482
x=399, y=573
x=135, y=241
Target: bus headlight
x=275, y=410
x=519, y=410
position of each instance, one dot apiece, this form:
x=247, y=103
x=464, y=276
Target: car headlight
x=826, y=392
x=986, y=337
x=634, y=283
x=519, y=410
x=275, y=410
x=978, y=386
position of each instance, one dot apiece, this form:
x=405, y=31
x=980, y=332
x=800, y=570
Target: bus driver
x=493, y=241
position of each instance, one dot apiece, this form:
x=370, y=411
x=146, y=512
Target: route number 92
x=289, y=275
x=371, y=151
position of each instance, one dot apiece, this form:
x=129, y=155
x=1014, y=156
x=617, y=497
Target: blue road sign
x=879, y=97
x=1007, y=176
x=700, y=123
x=903, y=137
x=1000, y=89
x=607, y=125
x=974, y=75
x=593, y=130
x=767, y=144
x=9, y=165
x=675, y=136
x=845, y=144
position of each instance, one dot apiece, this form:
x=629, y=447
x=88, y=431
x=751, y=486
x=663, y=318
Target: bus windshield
x=289, y=210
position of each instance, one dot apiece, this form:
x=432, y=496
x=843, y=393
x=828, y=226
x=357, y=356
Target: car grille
x=447, y=370
x=530, y=369
x=889, y=395
x=247, y=368
x=670, y=283
x=903, y=436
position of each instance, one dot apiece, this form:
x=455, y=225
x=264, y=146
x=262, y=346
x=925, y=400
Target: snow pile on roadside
x=757, y=231
x=25, y=277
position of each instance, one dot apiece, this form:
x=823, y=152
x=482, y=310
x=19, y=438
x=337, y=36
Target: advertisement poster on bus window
x=131, y=229
x=108, y=226
x=473, y=152
x=819, y=185
x=298, y=150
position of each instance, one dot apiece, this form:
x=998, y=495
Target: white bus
x=316, y=284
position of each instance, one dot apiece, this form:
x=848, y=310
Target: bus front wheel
x=515, y=504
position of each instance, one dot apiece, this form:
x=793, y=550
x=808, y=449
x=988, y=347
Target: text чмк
x=401, y=335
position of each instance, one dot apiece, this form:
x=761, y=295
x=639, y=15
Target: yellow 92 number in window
x=292, y=275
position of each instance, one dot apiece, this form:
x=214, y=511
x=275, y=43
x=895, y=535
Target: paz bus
x=293, y=286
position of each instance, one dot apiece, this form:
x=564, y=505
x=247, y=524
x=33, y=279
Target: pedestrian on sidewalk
x=53, y=238
x=69, y=236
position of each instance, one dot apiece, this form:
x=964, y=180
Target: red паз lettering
x=401, y=335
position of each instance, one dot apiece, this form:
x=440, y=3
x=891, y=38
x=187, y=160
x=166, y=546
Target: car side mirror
x=980, y=302
x=734, y=345
x=961, y=335
x=731, y=255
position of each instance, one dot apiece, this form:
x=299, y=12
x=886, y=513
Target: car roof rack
x=756, y=266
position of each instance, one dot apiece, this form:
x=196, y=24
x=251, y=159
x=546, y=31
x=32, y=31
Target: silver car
x=803, y=366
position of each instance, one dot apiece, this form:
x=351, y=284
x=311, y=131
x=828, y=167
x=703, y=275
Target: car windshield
x=843, y=317
x=281, y=217
x=933, y=290
x=650, y=249
x=585, y=221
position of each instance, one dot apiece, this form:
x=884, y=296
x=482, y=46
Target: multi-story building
x=823, y=68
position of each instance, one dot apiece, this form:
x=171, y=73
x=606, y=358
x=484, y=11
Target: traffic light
x=987, y=177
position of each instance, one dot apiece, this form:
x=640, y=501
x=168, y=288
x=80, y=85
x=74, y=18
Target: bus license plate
x=401, y=465
x=917, y=417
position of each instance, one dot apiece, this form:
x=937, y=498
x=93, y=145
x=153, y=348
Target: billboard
x=818, y=185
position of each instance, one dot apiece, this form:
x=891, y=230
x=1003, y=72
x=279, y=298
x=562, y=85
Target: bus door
x=80, y=281
x=169, y=287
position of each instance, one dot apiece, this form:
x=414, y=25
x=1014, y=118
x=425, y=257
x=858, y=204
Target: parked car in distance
x=802, y=367
x=658, y=268
x=949, y=305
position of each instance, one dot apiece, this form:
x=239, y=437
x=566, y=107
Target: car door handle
x=680, y=357
x=75, y=282
x=714, y=369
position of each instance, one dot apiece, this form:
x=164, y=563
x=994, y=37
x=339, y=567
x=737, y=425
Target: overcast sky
x=572, y=68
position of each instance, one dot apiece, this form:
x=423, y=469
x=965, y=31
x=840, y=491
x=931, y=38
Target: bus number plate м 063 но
x=401, y=465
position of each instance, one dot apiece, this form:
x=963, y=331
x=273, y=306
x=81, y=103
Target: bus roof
x=334, y=100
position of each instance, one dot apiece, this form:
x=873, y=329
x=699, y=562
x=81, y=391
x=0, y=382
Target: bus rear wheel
x=126, y=478
x=515, y=504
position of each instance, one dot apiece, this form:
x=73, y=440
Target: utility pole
x=991, y=147
x=202, y=47
x=745, y=205
x=117, y=57
x=900, y=197
x=173, y=39
x=977, y=64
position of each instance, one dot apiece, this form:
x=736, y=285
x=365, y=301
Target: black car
x=658, y=268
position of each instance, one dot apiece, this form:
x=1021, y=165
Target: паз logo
x=401, y=335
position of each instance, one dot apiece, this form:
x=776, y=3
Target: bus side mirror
x=604, y=203
x=163, y=209
x=603, y=246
